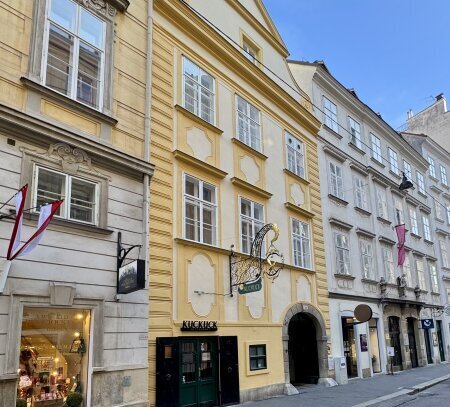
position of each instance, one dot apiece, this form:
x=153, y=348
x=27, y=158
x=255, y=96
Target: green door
x=198, y=367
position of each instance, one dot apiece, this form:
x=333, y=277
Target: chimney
x=409, y=113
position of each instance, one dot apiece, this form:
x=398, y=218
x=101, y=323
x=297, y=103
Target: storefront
x=54, y=355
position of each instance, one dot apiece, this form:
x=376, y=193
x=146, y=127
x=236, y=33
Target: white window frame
x=382, y=206
x=413, y=220
x=444, y=253
x=65, y=206
x=360, y=193
x=393, y=161
x=420, y=274
x=252, y=219
x=330, y=114
x=72, y=88
x=407, y=169
x=355, y=131
x=431, y=166
x=296, y=149
x=398, y=211
x=433, y=277
x=388, y=263
x=426, y=228
x=448, y=214
x=298, y=260
x=376, y=148
x=248, y=120
x=406, y=269
x=345, y=249
x=366, y=249
x=250, y=51
x=199, y=87
x=443, y=171
x=336, y=185
x=438, y=209
x=201, y=202
x=420, y=182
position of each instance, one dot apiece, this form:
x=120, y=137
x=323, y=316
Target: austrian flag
x=401, y=236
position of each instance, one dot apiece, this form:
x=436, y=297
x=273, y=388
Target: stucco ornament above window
x=106, y=7
x=71, y=157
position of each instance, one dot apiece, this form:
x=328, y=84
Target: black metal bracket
x=122, y=252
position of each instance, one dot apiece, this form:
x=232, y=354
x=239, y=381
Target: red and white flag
x=17, y=229
x=401, y=236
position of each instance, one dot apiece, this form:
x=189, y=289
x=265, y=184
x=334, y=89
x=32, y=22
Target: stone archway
x=310, y=311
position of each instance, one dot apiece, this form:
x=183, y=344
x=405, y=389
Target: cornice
x=199, y=164
x=335, y=153
x=198, y=119
x=207, y=247
x=365, y=233
x=301, y=211
x=250, y=187
x=340, y=223
x=296, y=177
x=384, y=239
x=249, y=149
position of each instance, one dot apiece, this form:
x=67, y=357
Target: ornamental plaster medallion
x=71, y=157
x=200, y=275
x=250, y=169
x=297, y=194
x=199, y=142
x=255, y=302
x=303, y=289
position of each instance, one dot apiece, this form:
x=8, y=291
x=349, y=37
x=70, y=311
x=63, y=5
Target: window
x=74, y=52
x=431, y=167
x=80, y=196
x=355, y=129
x=420, y=274
x=295, y=155
x=407, y=270
x=250, y=51
x=258, y=357
x=198, y=91
x=398, y=212
x=252, y=220
x=444, y=253
x=443, y=175
x=366, y=259
x=438, y=208
x=448, y=214
x=413, y=218
x=407, y=169
x=336, y=183
x=330, y=114
x=434, y=278
x=426, y=228
x=382, y=203
x=393, y=161
x=200, y=211
x=388, y=264
x=301, y=243
x=376, y=147
x=248, y=123
x=360, y=193
x=342, y=253
x=420, y=182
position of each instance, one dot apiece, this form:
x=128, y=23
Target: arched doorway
x=303, y=356
x=304, y=346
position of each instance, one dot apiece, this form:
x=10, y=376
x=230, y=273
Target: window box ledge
x=384, y=239
x=297, y=177
x=429, y=242
x=332, y=132
x=415, y=236
x=445, y=268
x=334, y=152
x=365, y=233
x=249, y=149
x=344, y=276
x=370, y=281
x=338, y=200
x=435, y=293
x=204, y=246
x=67, y=101
x=340, y=223
x=377, y=162
x=198, y=119
x=356, y=148
x=385, y=221
x=250, y=187
x=299, y=210
x=362, y=211
x=208, y=168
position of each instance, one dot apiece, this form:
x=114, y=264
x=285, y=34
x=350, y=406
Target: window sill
x=362, y=211
x=415, y=236
x=344, y=276
x=297, y=268
x=356, y=148
x=337, y=199
x=377, y=162
x=332, y=132
x=385, y=221
x=192, y=243
x=249, y=149
x=393, y=173
x=435, y=293
x=429, y=242
x=369, y=281
x=250, y=187
x=440, y=220
x=297, y=177
x=68, y=102
x=445, y=268
x=433, y=178
x=198, y=119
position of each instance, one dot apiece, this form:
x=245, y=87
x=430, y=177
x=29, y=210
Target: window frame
x=376, y=148
x=248, y=120
x=367, y=254
x=399, y=215
x=431, y=166
x=421, y=281
x=345, y=252
x=295, y=237
x=426, y=228
x=393, y=161
x=339, y=180
x=387, y=256
x=444, y=253
x=257, y=357
x=406, y=270
x=420, y=182
x=252, y=209
x=382, y=200
x=361, y=200
x=356, y=137
x=413, y=221
x=443, y=172
x=433, y=277
x=407, y=169
x=330, y=118
x=297, y=142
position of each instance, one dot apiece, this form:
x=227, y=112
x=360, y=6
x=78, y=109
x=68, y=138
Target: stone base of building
x=261, y=393
x=8, y=391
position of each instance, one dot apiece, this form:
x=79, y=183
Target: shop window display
x=53, y=360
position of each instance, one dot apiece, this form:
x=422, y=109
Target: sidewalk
x=359, y=391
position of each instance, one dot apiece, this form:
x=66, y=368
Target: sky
x=394, y=53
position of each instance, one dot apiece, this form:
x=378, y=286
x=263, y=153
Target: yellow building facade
x=234, y=144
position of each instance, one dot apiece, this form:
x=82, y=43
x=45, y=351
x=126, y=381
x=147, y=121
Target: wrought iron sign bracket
x=122, y=252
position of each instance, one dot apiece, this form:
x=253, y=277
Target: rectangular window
x=444, y=253
x=407, y=169
x=360, y=193
x=74, y=52
x=301, y=243
x=198, y=91
x=448, y=214
x=443, y=175
x=355, y=130
x=431, y=167
x=258, y=357
x=420, y=274
x=376, y=147
x=366, y=259
x=248, y=123
x=434, y=278
x=438, y=208
x=80, y=196
x=393, y=161
x=407, y=270
x=252, y=220
x=200, y=211
x=336, y=183
x=330, y=114
x=295, y=151
x=388, y=264
x=398, y=212
x=420, y=182
x=426, y=228
x=413, y=219
x=342, y=253
x=382, y=203
x=250, y=51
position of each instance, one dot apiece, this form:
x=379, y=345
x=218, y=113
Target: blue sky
x=395, y=53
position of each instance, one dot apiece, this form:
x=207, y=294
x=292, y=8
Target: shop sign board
x=199, y=326
x=131, y=277
x=252, y=287
x=427, y=323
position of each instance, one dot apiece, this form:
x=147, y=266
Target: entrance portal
x=303, y=355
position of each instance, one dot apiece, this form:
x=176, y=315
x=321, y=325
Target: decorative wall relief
x=255, y=302
x=250, y=169
x=297, y=194
x=71, y=157
x=344, y=283
x=303, y=289
x=199, y=142
x=201, y=278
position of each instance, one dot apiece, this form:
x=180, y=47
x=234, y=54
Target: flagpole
x=5, y=265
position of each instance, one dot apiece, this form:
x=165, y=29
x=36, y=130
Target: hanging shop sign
x=427, y=323
x=199, y=326
x=131, y=277
x=248, y=288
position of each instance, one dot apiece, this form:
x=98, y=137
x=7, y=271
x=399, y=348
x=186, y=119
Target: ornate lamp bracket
x=122, y=252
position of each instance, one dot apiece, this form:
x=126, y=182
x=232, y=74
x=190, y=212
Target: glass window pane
x=51, y=187
x=82, y=201
x=89, y=67
x=259, y=211
x=191, y=186
x=59, y=60
x=64, y=13
x=91, y=29
x=209, y=193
